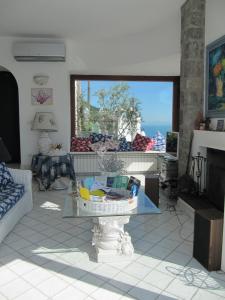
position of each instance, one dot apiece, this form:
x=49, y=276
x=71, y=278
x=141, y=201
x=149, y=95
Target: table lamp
x=4, y=154
x=44, y=122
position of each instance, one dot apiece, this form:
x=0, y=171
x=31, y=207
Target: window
x=124, y=105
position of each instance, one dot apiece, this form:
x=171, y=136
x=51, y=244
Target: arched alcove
x=9, y=114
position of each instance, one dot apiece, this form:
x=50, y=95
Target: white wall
x=156, y=52
x=150, y=53
x=214, y=28
x=58, y=80
x=215, y=21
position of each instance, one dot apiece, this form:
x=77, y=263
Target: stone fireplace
x=215, y=177
x=211, y=144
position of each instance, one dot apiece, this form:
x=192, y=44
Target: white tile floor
x=48, y=257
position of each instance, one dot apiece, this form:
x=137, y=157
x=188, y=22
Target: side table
x=48, y=168
x=208, y=237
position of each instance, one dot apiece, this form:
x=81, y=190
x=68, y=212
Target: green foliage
x=118, y=112
x=88, y=115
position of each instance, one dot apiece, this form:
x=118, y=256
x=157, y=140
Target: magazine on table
x=133, y=185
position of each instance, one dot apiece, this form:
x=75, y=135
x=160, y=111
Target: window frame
x=174, y=79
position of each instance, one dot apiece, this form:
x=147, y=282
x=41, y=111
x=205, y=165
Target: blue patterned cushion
x=99, y=137
x=9, y=196
x=159, y=142
x=125, y=145
x=5, y=176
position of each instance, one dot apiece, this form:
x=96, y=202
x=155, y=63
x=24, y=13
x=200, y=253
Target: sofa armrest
x=22, y=177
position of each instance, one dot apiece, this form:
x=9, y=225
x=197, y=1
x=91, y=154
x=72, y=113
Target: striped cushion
x=160, y=142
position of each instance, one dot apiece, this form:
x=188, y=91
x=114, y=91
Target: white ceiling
x=82, y=20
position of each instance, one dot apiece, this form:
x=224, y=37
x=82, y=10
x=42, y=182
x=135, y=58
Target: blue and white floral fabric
x=159, y=142
x=124, y=145
x=5, y=176
x=9, y=196
x=99, y=137
x=48, y=168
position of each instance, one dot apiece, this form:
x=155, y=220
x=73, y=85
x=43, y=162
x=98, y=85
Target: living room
x=45, y=256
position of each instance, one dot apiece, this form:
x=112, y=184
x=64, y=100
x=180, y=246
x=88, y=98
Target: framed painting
x=41, y=96
x=215, y=79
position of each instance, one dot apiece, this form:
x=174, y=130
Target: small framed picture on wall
x=220, y=125
x=41, y=96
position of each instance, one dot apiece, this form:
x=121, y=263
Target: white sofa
x=22, y=207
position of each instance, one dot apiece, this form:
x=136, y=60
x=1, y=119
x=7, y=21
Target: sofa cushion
x=124, y=145
x=5, y=176
x=9, y=196
x=159, y=142
x=99, y=137
x=142, y=143
x=108, y=145
x=81, y=144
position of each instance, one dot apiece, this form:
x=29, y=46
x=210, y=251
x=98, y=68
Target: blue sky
x=155, y=98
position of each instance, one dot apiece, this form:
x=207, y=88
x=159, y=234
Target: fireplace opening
x=215, y=177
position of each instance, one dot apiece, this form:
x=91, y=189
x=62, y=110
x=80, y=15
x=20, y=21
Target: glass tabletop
x=145, y=207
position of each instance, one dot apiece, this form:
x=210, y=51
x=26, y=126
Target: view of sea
x=151, y=130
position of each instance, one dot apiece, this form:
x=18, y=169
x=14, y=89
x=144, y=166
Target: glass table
x=110, y=240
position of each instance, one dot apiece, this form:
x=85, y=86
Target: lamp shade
x=4, y=154
x=44, y=121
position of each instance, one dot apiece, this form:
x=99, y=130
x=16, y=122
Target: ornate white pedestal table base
x=111, y=242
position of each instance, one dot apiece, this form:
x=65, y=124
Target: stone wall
x=192, y=73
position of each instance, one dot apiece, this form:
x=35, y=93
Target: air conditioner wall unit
x=33, y=51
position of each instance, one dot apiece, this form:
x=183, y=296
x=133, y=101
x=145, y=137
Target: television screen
x=172, y=143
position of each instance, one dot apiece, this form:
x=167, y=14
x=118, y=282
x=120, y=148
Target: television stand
x=168, y=168
x=168, y=172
